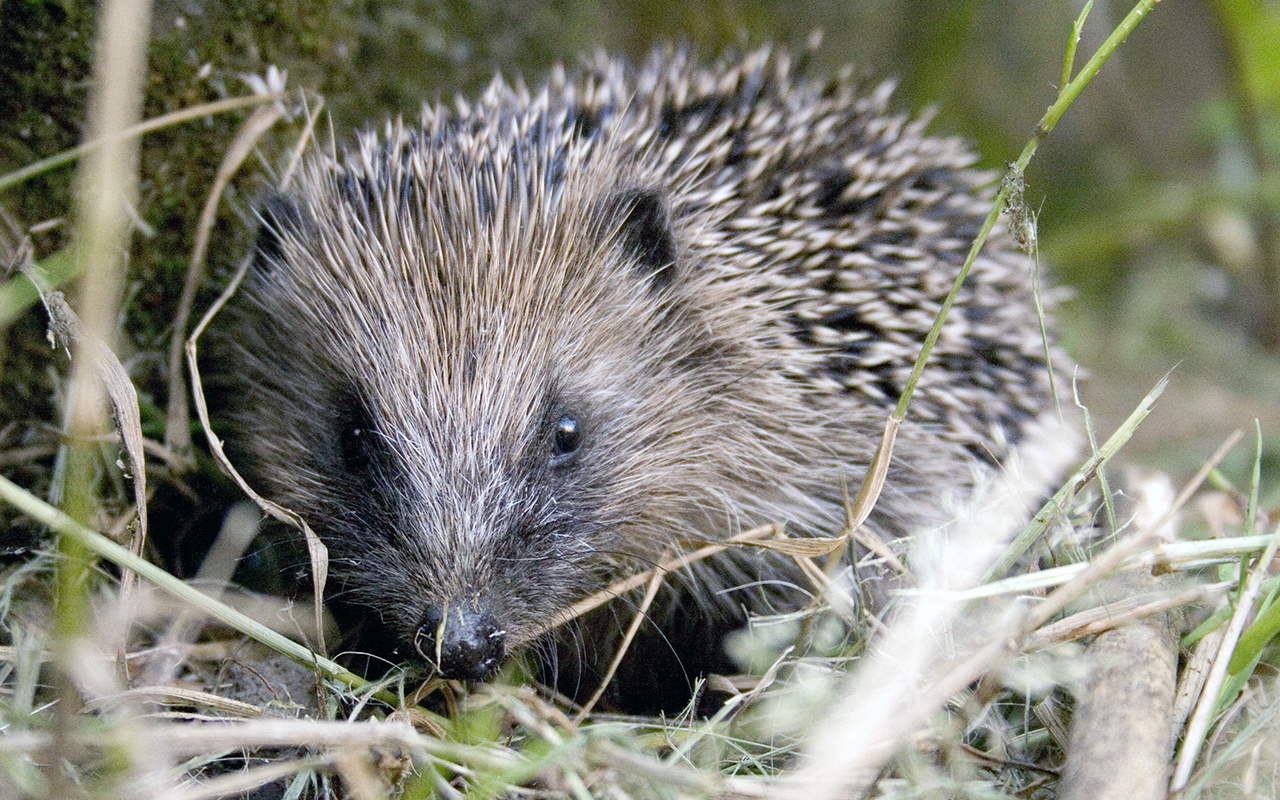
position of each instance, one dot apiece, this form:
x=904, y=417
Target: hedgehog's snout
x=461, y=642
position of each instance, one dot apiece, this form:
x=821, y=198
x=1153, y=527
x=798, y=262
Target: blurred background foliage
x=1158, y=195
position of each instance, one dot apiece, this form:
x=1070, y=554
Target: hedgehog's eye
x=355, y=456
x=565, y=441
x=358, y=442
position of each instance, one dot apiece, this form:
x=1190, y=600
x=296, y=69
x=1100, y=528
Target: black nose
x=461, y=642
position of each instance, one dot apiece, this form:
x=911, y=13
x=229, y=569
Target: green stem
x=91, y=541
x=1046, y=124
x=1068, y=63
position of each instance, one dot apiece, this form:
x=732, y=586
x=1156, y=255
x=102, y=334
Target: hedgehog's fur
x=720, y=276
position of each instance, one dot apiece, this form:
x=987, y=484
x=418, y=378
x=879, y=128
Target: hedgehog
x=543, y=340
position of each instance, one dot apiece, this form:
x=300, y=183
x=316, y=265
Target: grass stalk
x=105, y=195
x=1066, y=96
x=90, y=541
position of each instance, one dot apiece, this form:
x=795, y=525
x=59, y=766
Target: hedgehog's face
x=486, y=425
x=469, y=531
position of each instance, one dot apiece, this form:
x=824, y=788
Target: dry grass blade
x=316, y=550
x=873, y=483
x=1053, y=508
x=177, y=696
x=238, y=530
x=105, y=197
x=178, y=426
x=101, y=545
x=1194, y=675
x=184, y=740
x=1120, y=612
x=1198, y=727
x=754, y=536
x=66, y=331
x=249, y=133
x=132, y=132
x=607, y=754
x=842, y=760
x=241, y=784
x=1110, y=560
x=655, y=583
x=304, y=141
x=1186, y=556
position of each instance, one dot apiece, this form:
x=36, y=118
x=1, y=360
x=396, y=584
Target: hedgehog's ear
x=642, y=228
x=280, y=217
